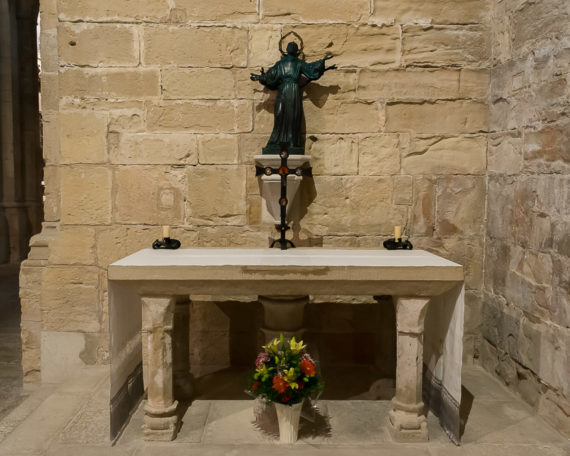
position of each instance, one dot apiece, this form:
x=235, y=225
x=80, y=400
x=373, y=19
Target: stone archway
x=20, y=134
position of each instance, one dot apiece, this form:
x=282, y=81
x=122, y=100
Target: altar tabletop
x=429, y=272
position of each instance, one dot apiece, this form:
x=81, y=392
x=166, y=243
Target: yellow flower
x=291, y=376
x=272, y=346
x=296, y=347
x=262, y=370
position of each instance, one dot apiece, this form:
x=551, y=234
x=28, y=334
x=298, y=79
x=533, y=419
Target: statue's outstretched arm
x=259, y=77
x=332, y=67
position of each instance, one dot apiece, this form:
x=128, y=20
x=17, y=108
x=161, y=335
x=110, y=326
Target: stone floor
x=71, y=419
x=10, y=354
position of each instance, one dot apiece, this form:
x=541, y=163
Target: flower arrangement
x=285, y=373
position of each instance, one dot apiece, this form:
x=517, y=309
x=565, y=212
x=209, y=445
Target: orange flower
x=279, y=384
x=307, y=367
x=255, y=385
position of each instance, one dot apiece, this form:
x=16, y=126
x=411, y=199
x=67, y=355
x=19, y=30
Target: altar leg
x=407, y=421
x=160, y=420
x=283, y=315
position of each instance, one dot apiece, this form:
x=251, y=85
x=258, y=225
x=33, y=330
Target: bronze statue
x=288, y=76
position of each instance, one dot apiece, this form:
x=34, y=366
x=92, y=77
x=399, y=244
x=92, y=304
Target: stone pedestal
x=160, y=420
x=407, y=419
x=271, y=185
x=283, y=315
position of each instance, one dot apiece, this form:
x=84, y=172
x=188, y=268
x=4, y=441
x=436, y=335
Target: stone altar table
x=146, y=287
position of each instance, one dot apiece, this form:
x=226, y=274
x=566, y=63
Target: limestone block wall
x=150, y=118
x=526, y=313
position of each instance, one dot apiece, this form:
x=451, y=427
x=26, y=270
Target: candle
x=397, y=232
x=165, y=231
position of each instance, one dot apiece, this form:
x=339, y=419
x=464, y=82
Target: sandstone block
x=423, y=207
x=211, y=83
x=315, y=11
x=83, y=137
x=403, y=190
x=113, y=11
x=433, y=11
x=547, y=150
x=254, y=209
x=343, y=117
x=201, y=116
x=153, y=149
x=216, y=195
x=248, y=89
x=195, y=46
x=505, y=153
x=232, y=236
x=460, y=205
x=219, y=11
x=411, y=84
x=52, y=201
x=379, y=155
x=443, y=117
x=30, y=281
x=85, y=195
x=149, y=194
x=218, y=149
x=98, y=44
x=73, y=245
x=532, y=22
x=474, y=83
x=444, y=45
x=336, y=85
x=535, y=267
x=50, y=92
x=263, y=48
x=555, y=409
x=70, y=299
x=249, y=146
x=441, y=155
x=110, y=83
x=48, y=47
x=360, y=46
x=353, y=205
x=118, y=241
x=333, y=155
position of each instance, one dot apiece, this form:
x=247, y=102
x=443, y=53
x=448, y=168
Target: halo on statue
x=300, y=44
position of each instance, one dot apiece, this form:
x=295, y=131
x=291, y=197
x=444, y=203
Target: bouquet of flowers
x=285, y=373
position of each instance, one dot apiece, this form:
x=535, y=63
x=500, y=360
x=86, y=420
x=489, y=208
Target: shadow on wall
x=355, y=345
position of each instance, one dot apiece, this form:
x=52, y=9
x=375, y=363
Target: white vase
x=288, y=417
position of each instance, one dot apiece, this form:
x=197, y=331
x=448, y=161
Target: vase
x=288, y=417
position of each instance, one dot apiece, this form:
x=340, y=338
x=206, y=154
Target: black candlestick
x=166, y=243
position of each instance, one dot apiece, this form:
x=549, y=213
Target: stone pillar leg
x=407, y=421
x=283, y=315
x=160, y=420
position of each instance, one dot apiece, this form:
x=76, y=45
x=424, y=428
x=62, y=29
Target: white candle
x=165, y=231
x=397, y=232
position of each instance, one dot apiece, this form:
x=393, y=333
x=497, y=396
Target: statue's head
x=293, y=49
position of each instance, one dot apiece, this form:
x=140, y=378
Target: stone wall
x=526, y=313
x=150, y=118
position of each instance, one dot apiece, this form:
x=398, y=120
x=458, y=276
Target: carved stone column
x=407, y=420
x=283, y=315
x=160, y=421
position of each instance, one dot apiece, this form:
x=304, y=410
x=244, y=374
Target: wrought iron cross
x=284, y=172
